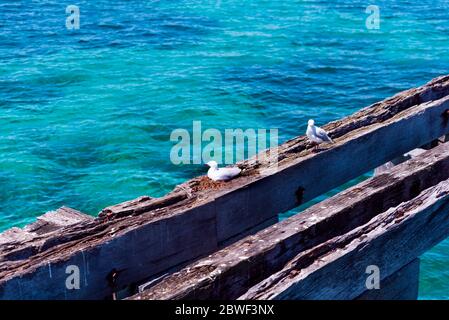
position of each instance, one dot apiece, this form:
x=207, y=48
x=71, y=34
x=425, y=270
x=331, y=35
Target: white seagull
x=221, y=174
x=317, y=134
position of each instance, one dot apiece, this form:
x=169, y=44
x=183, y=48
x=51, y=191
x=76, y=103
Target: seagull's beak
x=206, y=165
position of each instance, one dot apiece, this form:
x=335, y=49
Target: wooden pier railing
x=318, y=233
x=214, y=240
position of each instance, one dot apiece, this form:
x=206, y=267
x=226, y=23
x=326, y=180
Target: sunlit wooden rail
x=154, y=242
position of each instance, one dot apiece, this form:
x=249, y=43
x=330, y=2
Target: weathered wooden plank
x=15, y=242
x=142, y=204
x=48, y=222
x=401, y=285
x=336, y=269
x=97, y=263
x=249, y=200
x=390, y=164
x=57, y=219
x=147, y=284
x=15, y=235
x=229, y=272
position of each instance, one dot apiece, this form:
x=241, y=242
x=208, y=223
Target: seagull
x=221, y=174
x=316, y=134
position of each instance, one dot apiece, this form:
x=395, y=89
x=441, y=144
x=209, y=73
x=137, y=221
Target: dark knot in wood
x=299, y=195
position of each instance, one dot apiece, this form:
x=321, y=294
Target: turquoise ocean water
x=86, y=114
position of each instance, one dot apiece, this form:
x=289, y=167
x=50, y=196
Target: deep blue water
x=87, y=114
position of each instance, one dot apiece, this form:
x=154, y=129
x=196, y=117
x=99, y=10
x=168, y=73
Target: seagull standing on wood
x=221, y=174
x=316, y=134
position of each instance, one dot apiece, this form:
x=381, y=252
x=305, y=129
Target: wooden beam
x=407, y=156
x=228, y=273
x=46, y=223
x=15, y=235
x=14, y=238
x=54, y=220
x=14, y=242
x=147, y=236
x=337, y=268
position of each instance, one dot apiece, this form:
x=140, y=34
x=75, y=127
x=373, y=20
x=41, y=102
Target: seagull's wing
x=322, y=134
x=229, y=173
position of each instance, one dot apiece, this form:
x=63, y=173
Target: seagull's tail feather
x=329, y=139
